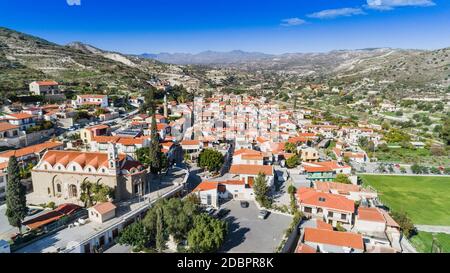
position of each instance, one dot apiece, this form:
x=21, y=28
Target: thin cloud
x=73, y=2
x=333, y=13
x=289, y=22
x=391, y=4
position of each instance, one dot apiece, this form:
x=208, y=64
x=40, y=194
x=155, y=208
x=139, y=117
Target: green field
x=422, y=241
x=426, y=199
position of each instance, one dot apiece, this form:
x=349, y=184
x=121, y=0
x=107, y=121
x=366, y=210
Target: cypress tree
x=16, y=207
x=155, y=153
x=160, y=241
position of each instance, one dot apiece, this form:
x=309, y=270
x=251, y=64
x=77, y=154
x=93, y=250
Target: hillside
x=24, y=58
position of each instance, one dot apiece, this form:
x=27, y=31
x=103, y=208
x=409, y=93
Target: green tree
x=405, y=223
x=292, y=161
x=261, y=190
x=16, y=202
x=148, y=107
x=290, y=147
x=160, y=236
x=155, y=158
x=445, y=132
x=178, y=217
x=135, y=235
x=210, y=159
x=207, y=235
x=342, y=178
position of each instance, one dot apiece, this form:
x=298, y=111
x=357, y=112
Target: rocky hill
x=24, y=58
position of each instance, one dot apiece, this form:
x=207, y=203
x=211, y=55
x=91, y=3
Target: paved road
x=434, y=229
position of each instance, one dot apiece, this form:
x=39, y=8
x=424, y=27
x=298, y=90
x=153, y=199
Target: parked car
x=210, y=210
x=244, y=204
x=222, y=213
x=263, y=214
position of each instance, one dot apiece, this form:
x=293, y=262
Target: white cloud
x=73, y=2
x=391, y=4
x=292, y=22
x=333, y=13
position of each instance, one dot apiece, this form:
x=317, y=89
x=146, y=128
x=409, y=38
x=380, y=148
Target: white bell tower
x=112, y=157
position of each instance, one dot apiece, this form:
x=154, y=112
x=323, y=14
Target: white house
x=93, y=100
x=39, y=88
x=331, y=208
x=248, y=173
x=330, y=241
x=102, y=212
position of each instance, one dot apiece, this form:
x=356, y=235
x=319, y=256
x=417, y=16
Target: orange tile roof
x=246, y=151
x=95, y=159
x=322, y=225
x=251, y=169
x=92, y=96
x=5, y=126
x=327, y=186
x=44, y=83
x=106, y=139
x=337, y=238
x=354, y=155
x=206, y=186
x=20, y=116
x=309, y=196
x=104, y=207
x=34, y=149
x=370, y=214
x=190, y=142
x=302, y=248
x=252, y=156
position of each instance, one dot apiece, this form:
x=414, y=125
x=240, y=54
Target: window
x=59, y=167
x=343, y=216
x=307, y=209
x=58, y=187
x=321, y=199
x=74, y=168
x=330, y=214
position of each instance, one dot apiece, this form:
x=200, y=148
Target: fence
x=292, y=240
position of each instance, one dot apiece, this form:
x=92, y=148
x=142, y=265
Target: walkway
x=433, y=229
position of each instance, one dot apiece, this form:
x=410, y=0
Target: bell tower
x=112, y=157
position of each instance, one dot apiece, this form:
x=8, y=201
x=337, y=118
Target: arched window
x=74, y=168
x=58, y=188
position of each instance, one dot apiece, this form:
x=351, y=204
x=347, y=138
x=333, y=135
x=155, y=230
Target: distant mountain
x=208, y=57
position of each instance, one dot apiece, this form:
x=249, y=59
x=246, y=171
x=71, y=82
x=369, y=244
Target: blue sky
x=271, y=26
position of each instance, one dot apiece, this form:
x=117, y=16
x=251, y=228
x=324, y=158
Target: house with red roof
x=102, y=212
x=10, y=135
x=211, y=193
x=331, y=208
x=248, y=173
x=330, y=241
x=248, y=156
x=378, y=227
x=42, y=88
x=325, y=170
x=350, y=191
x=22, y=120
x=90, y=100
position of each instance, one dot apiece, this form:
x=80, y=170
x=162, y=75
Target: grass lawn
x=425, y=198
x=422, y=241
